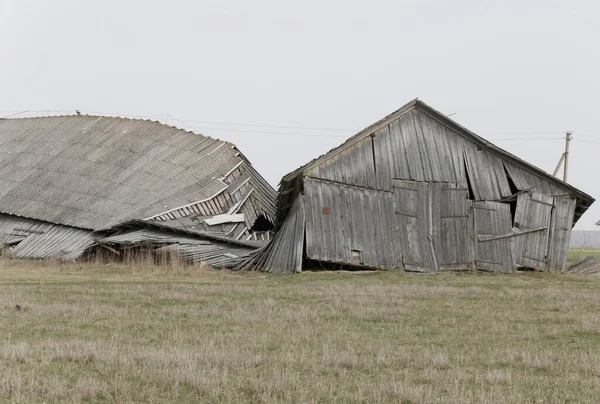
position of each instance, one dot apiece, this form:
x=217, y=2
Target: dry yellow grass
x=110, y=333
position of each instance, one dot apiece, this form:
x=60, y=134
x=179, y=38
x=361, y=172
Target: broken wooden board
x=220, y=219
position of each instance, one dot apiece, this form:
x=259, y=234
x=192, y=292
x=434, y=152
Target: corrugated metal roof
x=175, y=231
x=215, y=251
x=37, y=239
x=94, y=172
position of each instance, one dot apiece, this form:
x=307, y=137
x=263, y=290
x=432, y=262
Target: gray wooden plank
x=493, y=218
x=533, y=212
x=561, y=224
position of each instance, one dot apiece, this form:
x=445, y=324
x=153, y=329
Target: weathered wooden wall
x=560, y=232
x=350, y=225
x=435, y=226
x=436, y=230
x=417, y=147
x=416, y=190
x=532, y=219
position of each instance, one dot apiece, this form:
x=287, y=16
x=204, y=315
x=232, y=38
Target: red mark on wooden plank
x=325, y=210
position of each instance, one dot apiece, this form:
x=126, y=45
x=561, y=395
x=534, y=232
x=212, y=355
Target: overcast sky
x=520, y=73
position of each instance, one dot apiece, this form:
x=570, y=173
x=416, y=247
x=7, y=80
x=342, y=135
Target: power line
x=520, y=138
x=585, y=141
x=266, y=126
x=185, y=122
x=525, y=133
x=585, y=135
x=125, y=115
x=201, y=129
x=15, y=114
x=38, y=111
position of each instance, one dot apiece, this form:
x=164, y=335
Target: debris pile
x=586, y=266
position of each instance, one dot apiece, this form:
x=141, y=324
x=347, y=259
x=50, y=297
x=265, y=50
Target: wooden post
x=567, y=140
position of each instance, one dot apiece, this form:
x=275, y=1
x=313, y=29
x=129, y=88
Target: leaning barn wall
x=416, y=147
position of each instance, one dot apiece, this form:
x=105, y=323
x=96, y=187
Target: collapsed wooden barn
x=69, y=182
x=417, y=191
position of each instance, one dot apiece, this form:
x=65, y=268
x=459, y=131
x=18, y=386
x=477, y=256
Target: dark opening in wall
x=316, y=265
x=469, y=186
x=511, y=183
x=262, y=224
x=513, y=211
x=513, y=200
x=373, y=154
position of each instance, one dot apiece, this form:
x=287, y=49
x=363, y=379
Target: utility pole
x=564, y=158
x=567, y=141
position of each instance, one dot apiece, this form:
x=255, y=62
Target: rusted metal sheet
x=560, y=232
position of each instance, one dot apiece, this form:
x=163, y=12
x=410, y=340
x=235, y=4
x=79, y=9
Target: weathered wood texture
x=416, y=147
x=37, y=239
x=453, y=238
x=94, y=172
x=560, y=232
x=190, y=247
x=532, y=214
x=284, y=253
x=413, y=214
x=453, y=192
x=350, y=225
x=493, y=253
x=435, y=226
x=419, y=148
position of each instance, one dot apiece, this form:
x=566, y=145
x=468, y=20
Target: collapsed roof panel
x=94, y=172
x=191, y=246
x=29, y=238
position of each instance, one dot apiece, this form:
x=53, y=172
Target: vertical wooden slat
x=560, y=232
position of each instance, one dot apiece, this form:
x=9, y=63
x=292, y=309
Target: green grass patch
x=116, y=334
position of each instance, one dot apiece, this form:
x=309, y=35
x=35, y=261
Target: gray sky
x=509, y=70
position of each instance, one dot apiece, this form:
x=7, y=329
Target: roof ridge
x=444, y=120
x=116, y=117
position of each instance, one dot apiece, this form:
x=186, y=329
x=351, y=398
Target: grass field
x=109, y=333
x=579, y=253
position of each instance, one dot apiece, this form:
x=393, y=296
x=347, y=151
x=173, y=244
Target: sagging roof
x=195, y=246
x=167, y=231
x=93, y=172
x=583, y=200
